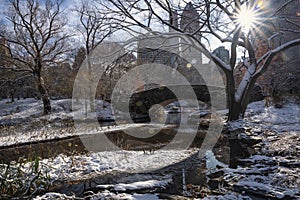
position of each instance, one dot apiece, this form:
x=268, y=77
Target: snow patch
x=72, y=167
x=123, y=196
x=121, y=187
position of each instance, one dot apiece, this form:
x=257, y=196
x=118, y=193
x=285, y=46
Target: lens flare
x=259, y=5
x=248, y=16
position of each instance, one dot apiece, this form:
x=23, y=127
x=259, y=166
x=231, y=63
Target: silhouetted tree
x=37, y=39
x=94, y=27
x=219, y=20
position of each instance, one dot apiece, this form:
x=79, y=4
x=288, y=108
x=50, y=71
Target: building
x=168, y=50
x=155, y=49
x=283, y=76
x=222, y=53
x=190, y=20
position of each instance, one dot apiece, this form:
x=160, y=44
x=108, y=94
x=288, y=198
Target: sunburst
x=248, y=16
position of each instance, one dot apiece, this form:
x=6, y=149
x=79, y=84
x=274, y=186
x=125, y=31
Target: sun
x=246, y=18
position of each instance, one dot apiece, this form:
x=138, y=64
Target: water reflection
x=192, y=180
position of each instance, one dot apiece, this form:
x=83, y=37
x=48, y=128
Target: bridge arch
x=141, y=102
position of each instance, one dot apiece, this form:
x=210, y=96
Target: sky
x=3, y=5
x=73, y=19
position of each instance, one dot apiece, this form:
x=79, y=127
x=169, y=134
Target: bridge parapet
x=141, y=102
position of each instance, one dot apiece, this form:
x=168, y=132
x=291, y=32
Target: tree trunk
x=12, y=97
x=235, y=108
x=235, y=111
x=45, y=96
x=90, y=85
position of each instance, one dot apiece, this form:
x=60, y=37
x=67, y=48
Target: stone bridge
x=141, y=102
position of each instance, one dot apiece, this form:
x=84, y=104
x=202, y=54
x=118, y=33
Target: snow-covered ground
x=125, y=196
x=23, y=120
x=284, y=119
x=28, y=110
x=93, y=164
x=275, y=170
x=101, y=196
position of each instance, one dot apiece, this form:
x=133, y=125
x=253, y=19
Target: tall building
x=168, y=50
x=286, y=21
x=190, y=23
x=150, y=50
x=283, y=75
x=284, y=71
x=190, y=20
x=222, y=53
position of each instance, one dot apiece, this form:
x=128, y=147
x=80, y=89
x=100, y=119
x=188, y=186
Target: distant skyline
x=118, y=37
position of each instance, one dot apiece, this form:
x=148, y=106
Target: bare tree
x=225, y=21
x=94, y=27
x=281, y=79
x=13, y=82
x=37, y=39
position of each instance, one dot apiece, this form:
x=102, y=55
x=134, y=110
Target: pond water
x=194, y=174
